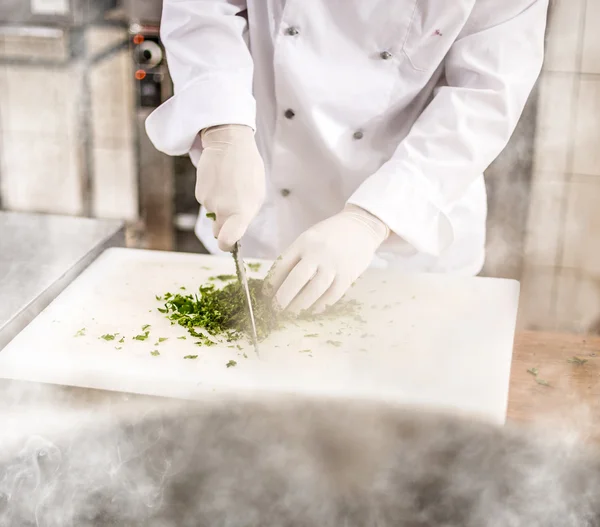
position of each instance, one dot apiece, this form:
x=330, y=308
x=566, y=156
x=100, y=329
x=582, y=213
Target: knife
x=241, y=274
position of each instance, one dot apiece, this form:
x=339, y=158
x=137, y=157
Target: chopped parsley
x=108, y=336
x=577, y=361
x=80, y=333
x=533, y=371
x=191, y=357
x=222, y=277
x=335, y=343
x=220, y=311
x=145, y=327
x=142, y=337
x=204, y=340
x=211, y=216
x=155, y=353
x=183, y=337
x=311, y=335
x=231, y=364
x=254, y=266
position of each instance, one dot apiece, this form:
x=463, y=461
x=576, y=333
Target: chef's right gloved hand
x=230, y=180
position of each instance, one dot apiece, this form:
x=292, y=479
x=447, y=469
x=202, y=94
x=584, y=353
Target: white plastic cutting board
x=428, y=339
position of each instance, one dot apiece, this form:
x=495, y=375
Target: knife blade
x=241, y=274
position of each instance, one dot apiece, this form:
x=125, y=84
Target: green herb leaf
x=222, y=277
x=155, y=353
x=335, y=343
x=305, y=351
x=311, y=335
x=142, y=337
x=254, y=266
x=159, y=298
x=183, y=337
x=231, y=364
x=145, y=327
x=211, y=216
x=80, y=333
x=245, y=356
x=542, y=381
x=162, y=339
x=108, y=336
x=533, y=371
x=118, y=347
x=191, y=357
x=577, y=361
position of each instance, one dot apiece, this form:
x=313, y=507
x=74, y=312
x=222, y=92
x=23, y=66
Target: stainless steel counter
x=39, y=256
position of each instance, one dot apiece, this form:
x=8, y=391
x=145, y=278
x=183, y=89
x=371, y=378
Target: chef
x=338, y=133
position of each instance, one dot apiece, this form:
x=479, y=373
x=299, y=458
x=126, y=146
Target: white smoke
x=294, y=461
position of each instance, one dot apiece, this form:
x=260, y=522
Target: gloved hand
x=230, y=180
x=320, y=266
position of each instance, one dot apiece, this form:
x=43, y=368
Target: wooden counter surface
x=573, y=394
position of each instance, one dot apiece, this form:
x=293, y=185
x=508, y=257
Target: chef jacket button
x=292, y=31
x=285, y=192
x=358, y=135
x=289, y=114
x=385, y=55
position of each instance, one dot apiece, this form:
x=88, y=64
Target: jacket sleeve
x=211, y=68
x=490, y=72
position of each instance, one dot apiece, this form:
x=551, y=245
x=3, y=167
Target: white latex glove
x=230, y=180
x=320, y=266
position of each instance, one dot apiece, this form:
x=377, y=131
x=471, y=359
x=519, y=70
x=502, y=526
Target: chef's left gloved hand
x=321, y=265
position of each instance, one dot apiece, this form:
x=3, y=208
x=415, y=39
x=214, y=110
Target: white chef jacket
x=397, y=106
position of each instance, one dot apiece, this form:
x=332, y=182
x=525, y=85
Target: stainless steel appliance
x=169, y=208
x=156, y=170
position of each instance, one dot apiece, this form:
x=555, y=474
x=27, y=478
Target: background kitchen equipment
x=61, y=125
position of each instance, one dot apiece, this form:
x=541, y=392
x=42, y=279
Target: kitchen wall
x=46, y=162
x=561, y=272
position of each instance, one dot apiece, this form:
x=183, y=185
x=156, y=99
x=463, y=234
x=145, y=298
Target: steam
x=291, y=461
